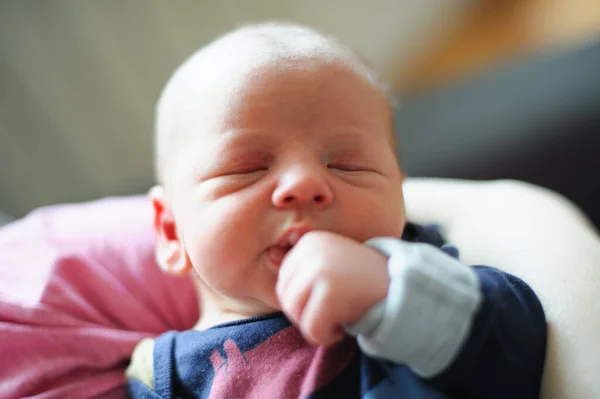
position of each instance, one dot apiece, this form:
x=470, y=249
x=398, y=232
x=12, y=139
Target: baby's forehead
x=209, y=90
x=212, y=77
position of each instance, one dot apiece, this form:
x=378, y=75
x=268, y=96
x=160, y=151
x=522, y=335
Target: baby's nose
x=302, y=187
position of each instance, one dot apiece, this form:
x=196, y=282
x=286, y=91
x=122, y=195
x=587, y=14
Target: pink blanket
x=78, y=289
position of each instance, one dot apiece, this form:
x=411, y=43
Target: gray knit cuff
x=429, y=310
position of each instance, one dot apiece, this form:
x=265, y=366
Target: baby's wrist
x=427, y=314
x=372, y=316
x=375, y=285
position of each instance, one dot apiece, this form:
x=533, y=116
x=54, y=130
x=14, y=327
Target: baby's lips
x=275, y=254
x=292, y=236
x=295, y=236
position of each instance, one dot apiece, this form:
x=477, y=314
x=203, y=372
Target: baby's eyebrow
x=351, y=135
x=350, y=139
x=241, y=133
x=333, y=138
x=232, y=133
x=242, y=137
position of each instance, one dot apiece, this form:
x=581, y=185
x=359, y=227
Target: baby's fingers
x=294, y=295
x=318, y=323
x=287, y=273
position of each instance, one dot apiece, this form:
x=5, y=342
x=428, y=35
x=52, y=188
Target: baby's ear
x=170, y=251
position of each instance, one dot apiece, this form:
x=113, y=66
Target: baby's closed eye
x=245, y=164
x=348, y=167
x=245, y=170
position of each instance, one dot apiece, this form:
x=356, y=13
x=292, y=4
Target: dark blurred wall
x=536, y=119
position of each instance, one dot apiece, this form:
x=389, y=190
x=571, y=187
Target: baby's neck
x=215, y=311
x=215, y=318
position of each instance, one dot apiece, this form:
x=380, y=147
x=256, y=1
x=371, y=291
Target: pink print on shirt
x=282, y=366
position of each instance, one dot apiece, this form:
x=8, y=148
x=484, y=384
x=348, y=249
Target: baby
x=279, y=190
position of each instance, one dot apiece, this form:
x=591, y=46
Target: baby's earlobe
x=172, y=259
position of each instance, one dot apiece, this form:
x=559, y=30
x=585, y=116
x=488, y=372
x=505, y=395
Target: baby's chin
x=263, y=304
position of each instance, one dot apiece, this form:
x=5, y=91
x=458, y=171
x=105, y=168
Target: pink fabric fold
x=79, y=288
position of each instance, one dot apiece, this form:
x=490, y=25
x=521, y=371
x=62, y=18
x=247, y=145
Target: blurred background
x=489, y=88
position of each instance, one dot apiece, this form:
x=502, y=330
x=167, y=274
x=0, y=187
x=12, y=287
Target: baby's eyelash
x=249, y=170
x=244, y=164
x=346, y=167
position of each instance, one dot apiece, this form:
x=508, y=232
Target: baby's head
x=269, y=132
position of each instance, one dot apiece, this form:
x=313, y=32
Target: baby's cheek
x=374, y=216
x=391, y=213
x=221, y=235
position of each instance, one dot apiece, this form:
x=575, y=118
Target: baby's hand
x=328, y=280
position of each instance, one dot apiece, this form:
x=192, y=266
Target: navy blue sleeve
x=504, y=354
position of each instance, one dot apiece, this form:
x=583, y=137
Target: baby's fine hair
x=253, y=44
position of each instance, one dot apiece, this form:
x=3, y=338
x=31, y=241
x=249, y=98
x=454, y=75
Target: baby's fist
x=328, y=280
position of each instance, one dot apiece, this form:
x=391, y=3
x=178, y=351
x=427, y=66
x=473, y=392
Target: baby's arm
x=552, y=246
x=474, y=332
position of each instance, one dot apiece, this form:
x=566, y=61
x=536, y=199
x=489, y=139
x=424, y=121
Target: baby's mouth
x=277, y=253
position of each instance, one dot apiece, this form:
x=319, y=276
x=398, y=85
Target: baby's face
x=287, y=150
